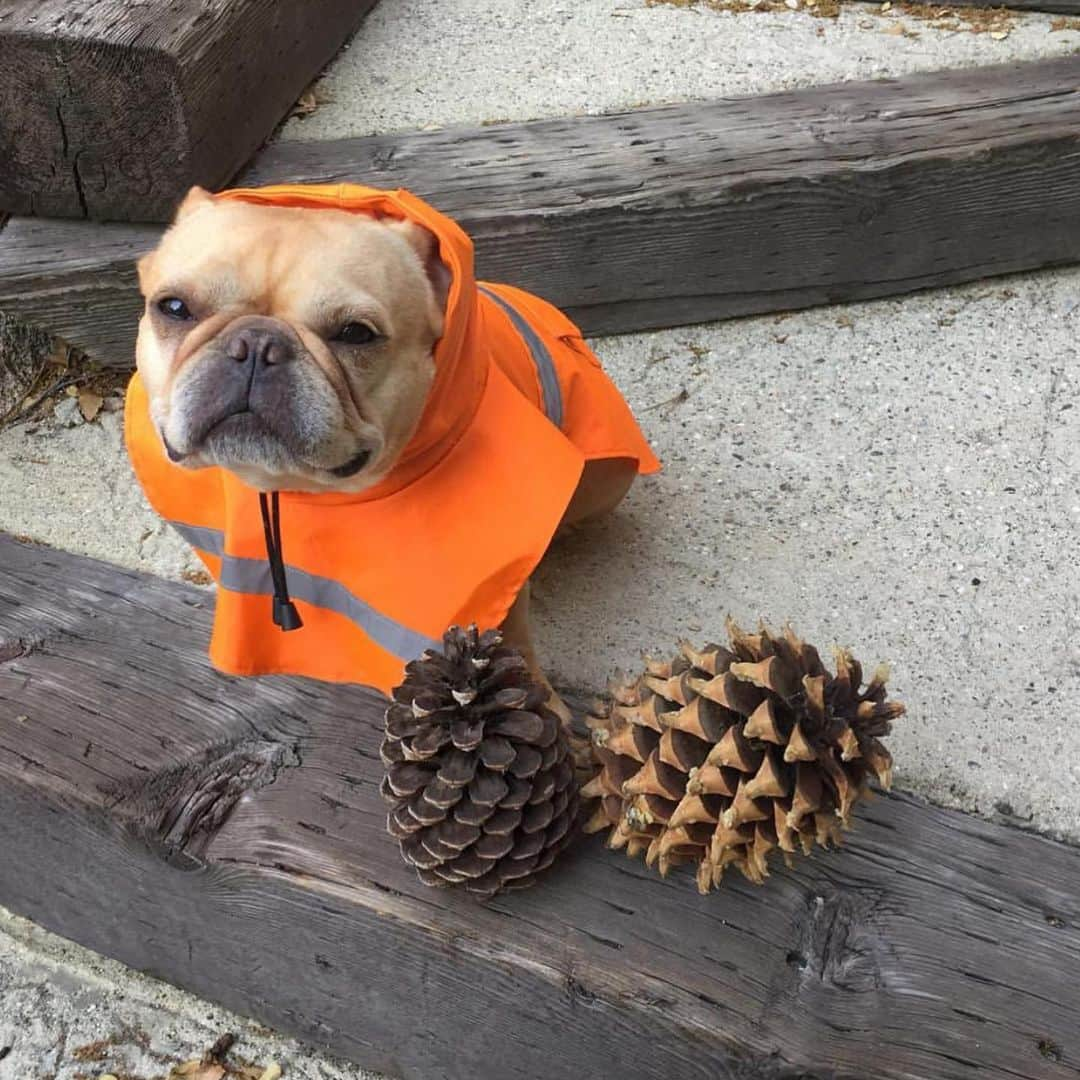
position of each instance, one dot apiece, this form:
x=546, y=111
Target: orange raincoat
x=519, y=403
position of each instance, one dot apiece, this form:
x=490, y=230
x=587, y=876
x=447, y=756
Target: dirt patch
x=822, y=9
x=54, y=371
x=996, y=22
x=217, y=1063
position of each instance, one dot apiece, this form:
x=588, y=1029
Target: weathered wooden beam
x=682, y=213
x=227, y=835
x=111, y=110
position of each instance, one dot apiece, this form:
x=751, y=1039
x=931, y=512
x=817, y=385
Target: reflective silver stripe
x=243, y=575
x=212, y=541
x=545, y=366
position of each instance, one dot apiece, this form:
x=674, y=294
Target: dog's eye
x=356, y=333
x=174, y=307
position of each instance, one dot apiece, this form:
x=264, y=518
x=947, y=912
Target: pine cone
x=478, y=773
x=720, y=756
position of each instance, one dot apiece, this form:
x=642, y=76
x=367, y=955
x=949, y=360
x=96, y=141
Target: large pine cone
x=478, y=773
x=720, y=756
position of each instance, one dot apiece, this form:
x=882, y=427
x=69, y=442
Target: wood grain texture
x=227, y=835
x=683, y=213
x=111, y=109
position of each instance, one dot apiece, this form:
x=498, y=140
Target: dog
x=330, y=346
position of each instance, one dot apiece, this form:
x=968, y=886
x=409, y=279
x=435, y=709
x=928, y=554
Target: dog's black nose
x=260, y=342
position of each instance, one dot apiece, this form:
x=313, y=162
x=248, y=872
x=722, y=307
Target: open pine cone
x=719, y=756
x=478, y=773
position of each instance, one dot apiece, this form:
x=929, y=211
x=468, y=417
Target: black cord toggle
x=284, y=610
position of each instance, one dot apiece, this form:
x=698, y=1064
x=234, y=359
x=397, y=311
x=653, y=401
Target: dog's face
x=292, y=347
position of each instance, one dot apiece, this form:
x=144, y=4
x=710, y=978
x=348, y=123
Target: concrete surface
x=72, y=488
x=417, y=64
x=900, y=476
x=68, y=1014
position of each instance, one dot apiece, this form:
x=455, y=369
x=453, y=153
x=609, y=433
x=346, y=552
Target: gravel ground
x=419, y=64
x=68, y=1014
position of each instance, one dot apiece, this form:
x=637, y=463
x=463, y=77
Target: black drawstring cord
x=285, y=614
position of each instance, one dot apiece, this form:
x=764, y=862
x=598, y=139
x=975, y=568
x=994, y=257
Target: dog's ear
x=426, y=245
x=194, y=200
x=145, y=266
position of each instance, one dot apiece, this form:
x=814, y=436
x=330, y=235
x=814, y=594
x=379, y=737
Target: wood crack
x=200, y=112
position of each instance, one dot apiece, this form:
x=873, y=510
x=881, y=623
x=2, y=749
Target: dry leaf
x=887, y=6
x=90, y=404
x=198, y=1069
x=220, y=1050
x=272, y=1072
x=305, y=104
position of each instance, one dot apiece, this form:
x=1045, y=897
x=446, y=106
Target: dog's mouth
x=174, y=455
x=221, y=440
x=352, y=466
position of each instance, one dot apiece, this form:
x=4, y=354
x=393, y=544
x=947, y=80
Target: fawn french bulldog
x=338, y=416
